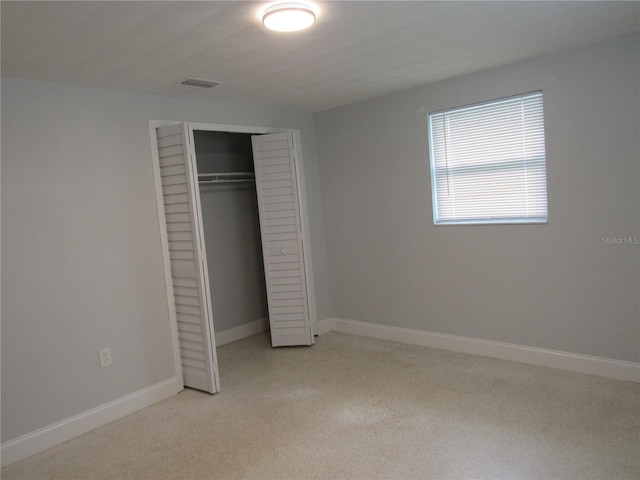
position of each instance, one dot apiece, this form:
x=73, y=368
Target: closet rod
x=229, y=177
x=226, y=174
x=228, y=180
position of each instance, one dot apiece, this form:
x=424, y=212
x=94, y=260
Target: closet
x=233, y=194
x=229, y=205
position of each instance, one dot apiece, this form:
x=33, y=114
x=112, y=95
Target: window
x=488, y=162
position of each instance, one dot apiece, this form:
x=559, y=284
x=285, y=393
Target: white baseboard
x=604, y=367
x=241, y=331
x=34, y=442
x=325, y=325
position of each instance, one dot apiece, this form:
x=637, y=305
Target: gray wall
x=555, y=286
x=234, y=255
x=81, y=252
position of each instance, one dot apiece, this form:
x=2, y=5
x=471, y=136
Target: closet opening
x=229, y=205
x=235, y=238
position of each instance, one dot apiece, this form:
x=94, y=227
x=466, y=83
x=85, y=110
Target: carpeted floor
x=354, y=407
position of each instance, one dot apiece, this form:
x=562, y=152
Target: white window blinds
x=488, y=162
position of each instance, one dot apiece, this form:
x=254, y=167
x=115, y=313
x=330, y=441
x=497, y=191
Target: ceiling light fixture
x=288, y=16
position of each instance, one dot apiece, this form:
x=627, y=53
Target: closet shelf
x=228, y=177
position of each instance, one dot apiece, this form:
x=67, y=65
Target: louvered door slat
x=282, y=245
x=190, y=284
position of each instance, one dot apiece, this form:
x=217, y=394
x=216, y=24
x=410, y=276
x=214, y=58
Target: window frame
x=512, y=220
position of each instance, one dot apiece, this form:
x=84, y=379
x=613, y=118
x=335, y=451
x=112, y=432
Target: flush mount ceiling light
x=288, y=16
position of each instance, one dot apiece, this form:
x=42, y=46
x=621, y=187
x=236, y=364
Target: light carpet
x=355, y=407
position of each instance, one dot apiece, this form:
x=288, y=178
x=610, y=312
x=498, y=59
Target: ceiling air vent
x=195, y=82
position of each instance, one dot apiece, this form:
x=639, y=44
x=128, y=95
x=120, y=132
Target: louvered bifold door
x=282, y=245
x=188, y=257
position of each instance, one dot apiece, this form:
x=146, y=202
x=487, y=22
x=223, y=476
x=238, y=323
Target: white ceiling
x=357, y=49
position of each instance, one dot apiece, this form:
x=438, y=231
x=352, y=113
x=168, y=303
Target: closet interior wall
x=232, y=230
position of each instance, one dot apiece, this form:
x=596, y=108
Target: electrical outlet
x=105, y=357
